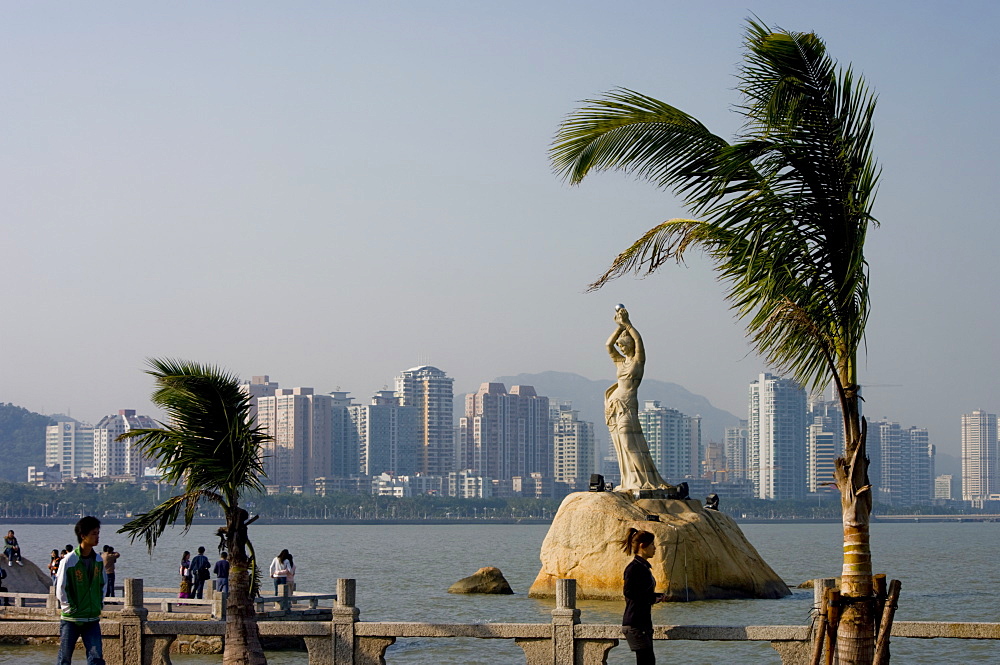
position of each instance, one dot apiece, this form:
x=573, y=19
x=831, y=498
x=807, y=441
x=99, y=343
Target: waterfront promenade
x=946, y=570
x=346, y=640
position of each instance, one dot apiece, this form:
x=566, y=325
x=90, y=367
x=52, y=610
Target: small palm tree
x=784, y=213
x=211, y=447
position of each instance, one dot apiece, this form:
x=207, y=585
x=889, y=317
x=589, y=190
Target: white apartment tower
x=432, y=392
x=735, y=446
x=674, y=441
x=776, y=438
x=979, y=456
x=824, y=442
x=387, y=436
x=943, y=487
x=120, y=458
x=70, y=445
x=906, y=459
x=573, y=447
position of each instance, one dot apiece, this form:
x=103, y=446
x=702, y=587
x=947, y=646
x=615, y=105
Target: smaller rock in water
x=484, y=580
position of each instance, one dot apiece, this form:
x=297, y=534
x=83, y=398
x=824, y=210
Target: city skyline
x=179, y=202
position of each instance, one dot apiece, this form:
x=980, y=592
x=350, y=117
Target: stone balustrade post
x=133, y=617
x=285, y=591
x=564, y=619
x=51, y=603
x=220, y=600
x=345, y=615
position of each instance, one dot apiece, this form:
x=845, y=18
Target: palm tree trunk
x=242, y=646
x=856, y=631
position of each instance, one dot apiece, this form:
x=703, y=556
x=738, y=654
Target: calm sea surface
x=949, y=572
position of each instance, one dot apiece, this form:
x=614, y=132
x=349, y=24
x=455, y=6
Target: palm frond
x=669, y=240
x=785, y=209
x=209, y=440
x=150, y=525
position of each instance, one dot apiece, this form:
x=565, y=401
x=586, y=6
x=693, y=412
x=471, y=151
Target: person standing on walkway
x=80, y=591
x=201, y=572
x=640, y=595
x=221, y=571
x=185, y=572
x=280, y=569
x=54, y=559
x=110, y=557
x=12, y=549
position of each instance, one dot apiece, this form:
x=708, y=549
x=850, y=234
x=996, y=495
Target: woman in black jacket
x=640, y=595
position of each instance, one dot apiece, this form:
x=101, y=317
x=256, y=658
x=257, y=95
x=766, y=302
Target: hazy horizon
x=332, y=193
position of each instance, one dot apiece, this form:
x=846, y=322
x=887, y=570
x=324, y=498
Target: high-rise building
x=432, y=392
x=824, y=442
x=70, y=445
x=906, y=462
x=715, y=466
x=944, y=487
x=674, y=441
x=259, y=386
x=736, y=451
x=387, y=436
x=776, y=438
x=306, y=430
x=344, y=451
x=114, y=457
x=980, y=454
x=574, y=449
x=504, y=435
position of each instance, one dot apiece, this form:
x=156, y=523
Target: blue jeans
x=197, y=586
x=222, y=585
x=109, y=590
x=90, y=631
x=277, y=582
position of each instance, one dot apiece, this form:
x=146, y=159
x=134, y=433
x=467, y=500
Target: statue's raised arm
x=621, y=407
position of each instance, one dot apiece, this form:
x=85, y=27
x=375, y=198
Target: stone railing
x=345, y=640
x=213, y=605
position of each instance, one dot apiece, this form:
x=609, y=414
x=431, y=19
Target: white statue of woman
x=621, y=408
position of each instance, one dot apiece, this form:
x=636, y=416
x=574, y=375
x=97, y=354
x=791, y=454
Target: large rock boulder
x=484, y=580
x=701, y=554
x=28, y=578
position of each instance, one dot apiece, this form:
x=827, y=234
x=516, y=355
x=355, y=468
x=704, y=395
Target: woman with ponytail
x=640, y=595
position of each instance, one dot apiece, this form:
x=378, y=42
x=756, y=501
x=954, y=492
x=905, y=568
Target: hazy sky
x=329, y=193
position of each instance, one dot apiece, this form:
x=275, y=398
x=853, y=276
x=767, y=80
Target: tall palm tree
x=783, y=212
x=212, y=448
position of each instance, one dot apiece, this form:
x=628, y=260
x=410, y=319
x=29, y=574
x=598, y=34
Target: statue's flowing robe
x=621, y=411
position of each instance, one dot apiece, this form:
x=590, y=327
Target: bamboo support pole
x=885, y=628
x=818, y=636
x=878, y=584
x=832, y=619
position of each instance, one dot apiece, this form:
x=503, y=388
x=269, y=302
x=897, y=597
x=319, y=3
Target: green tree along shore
x=122, y=500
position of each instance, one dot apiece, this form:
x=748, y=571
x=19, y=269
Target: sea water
x=948, y=573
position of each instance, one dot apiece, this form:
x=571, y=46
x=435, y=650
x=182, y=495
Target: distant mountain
x=588, y=398
x=945, y=464
x=22, y=441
